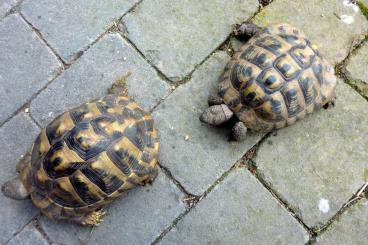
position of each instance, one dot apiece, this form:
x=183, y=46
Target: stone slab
x=142, y=215
x=28, y=236
x=70, y=26
x=6, y=6
x=26, y=64
x=317, y=164
x=90, y=77
x=358, y=63
x=62, y=232
x=321, y=21
x=238, y=211
x=199, y=159
x=16, y=137
x=177, y=35
x=350, y=228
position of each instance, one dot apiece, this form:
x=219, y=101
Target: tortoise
x=86, y=157
x=275, y=79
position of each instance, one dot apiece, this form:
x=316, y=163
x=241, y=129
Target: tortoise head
x=328, y=87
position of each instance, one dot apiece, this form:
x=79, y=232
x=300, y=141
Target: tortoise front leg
x=239, y=131
x=247, y=29
x=214, y=99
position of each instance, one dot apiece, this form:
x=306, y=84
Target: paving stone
x=317, y=164
x=63, y=232
x=321, y=21
x=238, y=211
x=6, y=6
x=358, y=64
x=350, y=228
x=199, y=160
x=139, y=217
x=91, y=76
x=16, y=137
x=26, y=64
x=28, y=236
x=178, y=35
x=70, y=26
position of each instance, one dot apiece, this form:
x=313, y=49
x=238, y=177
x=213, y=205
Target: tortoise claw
x=91, y=219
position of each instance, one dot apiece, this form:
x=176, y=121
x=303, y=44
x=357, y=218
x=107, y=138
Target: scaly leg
x=239, y=131
x=91, y=219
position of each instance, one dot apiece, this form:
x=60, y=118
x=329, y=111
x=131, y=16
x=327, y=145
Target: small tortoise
x=275, y=79
x=87, y=157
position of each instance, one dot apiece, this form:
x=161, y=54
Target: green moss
x=360, y=86
x=363, y=8
x=119, y=86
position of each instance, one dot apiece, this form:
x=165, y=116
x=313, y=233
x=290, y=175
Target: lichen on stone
x=119, y=86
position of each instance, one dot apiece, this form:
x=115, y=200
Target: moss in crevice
x=363, y=8
x=359, y=86
x=119, y=86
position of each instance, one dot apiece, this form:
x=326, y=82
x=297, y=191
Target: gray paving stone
x=320, y=21
x=201, y=159
x=178, y=35
x=238, y=211
x=350, y=228
x=358, y=64
x=91, y=76
x=28, y=236
x=317, y=164
x=26, y=64
x=139, y=217
x=6, y=6
x=63, y=232
x=69, y=26
x=16, y=136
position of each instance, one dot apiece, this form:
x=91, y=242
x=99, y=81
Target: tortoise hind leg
x=14, y=189
x=91, y=219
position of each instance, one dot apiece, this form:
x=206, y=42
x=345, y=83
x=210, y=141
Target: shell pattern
x=276, y=78
x=88, y=156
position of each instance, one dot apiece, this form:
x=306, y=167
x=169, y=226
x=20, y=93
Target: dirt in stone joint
x=265, y=2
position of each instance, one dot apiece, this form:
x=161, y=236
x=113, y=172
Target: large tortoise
x=275, y=79
x=87, y=157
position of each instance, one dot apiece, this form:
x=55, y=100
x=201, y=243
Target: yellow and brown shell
x=90, y=155
x=276, y=78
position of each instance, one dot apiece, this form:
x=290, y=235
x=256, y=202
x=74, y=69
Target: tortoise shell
x=276, y=78
x=89, y=155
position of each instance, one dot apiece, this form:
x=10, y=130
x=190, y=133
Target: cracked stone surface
x=28, y=236
x=62, y=232
x=237, y=211
x=6, y=6
x=25, y=66
x=350, y=228
x=358, y=64
x=202, y=158
x=70, y=26
x=16, y=137
x=91, y=76
x=317, y=164
x=178, y=35
x=321, y=21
